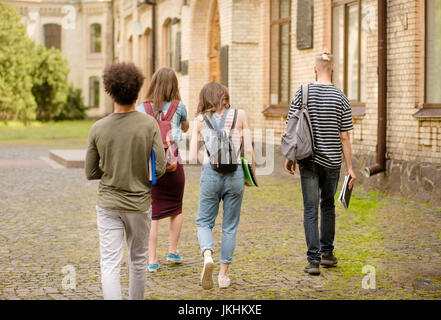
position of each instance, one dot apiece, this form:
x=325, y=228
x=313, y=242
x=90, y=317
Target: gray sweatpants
x=111, y=227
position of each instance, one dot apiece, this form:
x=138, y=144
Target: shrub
x=74, y=109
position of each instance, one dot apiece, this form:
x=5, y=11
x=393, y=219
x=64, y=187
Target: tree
x=51, y=86
x=16, y=66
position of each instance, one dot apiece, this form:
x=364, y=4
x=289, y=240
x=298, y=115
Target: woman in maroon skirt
x=168, y=192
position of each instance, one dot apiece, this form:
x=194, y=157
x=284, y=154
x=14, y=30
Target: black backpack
x=224, y=157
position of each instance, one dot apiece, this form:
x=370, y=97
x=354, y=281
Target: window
x=95, y=38
x=280, y=65
x=349, y=46
x=94, y=92
x=52, y=35
x=169, y=44
x=433, y=52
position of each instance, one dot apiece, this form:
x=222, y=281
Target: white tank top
x=210, y=134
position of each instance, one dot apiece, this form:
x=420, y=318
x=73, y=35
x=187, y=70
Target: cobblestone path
x=48, y=222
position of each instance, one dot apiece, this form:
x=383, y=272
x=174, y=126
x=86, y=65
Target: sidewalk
x=48, y=221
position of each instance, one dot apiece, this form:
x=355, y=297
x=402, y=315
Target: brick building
x=264, y=49
x=83, y=31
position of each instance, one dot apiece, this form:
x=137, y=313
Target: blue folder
x=152, y=169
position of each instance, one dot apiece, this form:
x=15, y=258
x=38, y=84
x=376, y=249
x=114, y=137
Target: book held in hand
x=152, y=169
x=345, y=194
x=249, y=175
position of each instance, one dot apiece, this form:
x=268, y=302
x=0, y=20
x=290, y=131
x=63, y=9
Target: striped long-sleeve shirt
x=330, y=114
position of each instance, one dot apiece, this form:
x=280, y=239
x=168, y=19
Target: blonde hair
x=324, y=60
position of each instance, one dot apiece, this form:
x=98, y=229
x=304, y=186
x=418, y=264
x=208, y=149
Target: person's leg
x=111, y=234
x=232, y=202
x=137, y=226
x=153, y=240
x=175, y=231
x=310, y=191
x=209, y=198
x=208, y=210
x=328, y=185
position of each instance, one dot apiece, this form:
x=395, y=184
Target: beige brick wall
x=245, y=29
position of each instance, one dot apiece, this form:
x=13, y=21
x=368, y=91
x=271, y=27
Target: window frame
x=425, y=104
x=346, y=4
x=60, y=32
x=169, y=50
x=92, y=35
x=280, y=22
x=94, y=79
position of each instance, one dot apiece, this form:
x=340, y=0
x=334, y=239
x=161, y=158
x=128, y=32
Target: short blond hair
x=324, y=60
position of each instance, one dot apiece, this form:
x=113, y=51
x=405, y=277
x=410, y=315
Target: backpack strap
x=148, y=108
x=305, y=89
x=171, y=111
x=233, y=125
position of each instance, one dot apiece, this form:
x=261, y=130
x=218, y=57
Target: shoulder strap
x=208, y=122
x=171, y=111
x=305, y=89
x=148, y=108
x=233, y=125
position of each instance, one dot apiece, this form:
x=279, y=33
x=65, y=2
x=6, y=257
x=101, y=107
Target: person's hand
x=290, y=166
x=353, y=177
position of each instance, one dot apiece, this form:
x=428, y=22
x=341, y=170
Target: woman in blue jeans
x=215, y=106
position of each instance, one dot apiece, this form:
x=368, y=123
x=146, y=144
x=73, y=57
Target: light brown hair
x=213, y=97
x=163, y=88
x=324, y=60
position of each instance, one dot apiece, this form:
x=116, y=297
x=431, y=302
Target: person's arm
x=247, y=143
x=185, y=125
x=290, y=166
x=347, y=154
x=92, y=168
x=158, y=148
x=345, y=127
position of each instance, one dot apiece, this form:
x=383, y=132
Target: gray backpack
x=224, y=157
x=298, y=140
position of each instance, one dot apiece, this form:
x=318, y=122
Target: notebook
x=152, y=169
x=345, y=194
x=249, y=175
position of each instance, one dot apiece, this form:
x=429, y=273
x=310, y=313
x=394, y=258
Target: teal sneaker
x=153, y=267
x=174, y=258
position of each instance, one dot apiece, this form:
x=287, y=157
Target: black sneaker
x=328, y=260
x=313, y=268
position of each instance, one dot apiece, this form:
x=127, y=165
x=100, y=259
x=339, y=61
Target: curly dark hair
x=122, y=81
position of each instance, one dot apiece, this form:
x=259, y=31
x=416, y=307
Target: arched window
x=130, y=49
x=94, y=92
x=52, y=35
x=95, y=38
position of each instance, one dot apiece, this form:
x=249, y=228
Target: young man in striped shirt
x=331, y=119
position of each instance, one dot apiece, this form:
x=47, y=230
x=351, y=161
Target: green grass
x=13, y=130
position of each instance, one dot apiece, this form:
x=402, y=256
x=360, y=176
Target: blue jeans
x=319, y=184
x=215, y=187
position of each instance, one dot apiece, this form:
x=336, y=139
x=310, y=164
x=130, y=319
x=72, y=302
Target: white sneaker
x=207, y=273
x=224, y=281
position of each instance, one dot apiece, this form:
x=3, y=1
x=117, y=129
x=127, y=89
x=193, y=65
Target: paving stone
x=48, y=221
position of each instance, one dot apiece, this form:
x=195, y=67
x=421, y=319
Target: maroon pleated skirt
x=167, y=194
